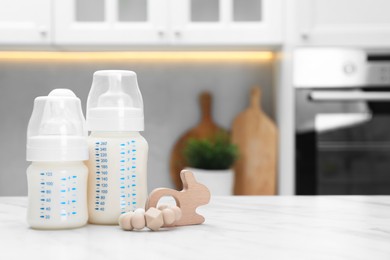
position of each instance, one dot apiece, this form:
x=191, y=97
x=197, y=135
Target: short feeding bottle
x=57, y=176
x=117, y=180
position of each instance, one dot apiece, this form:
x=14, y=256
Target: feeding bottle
x=117, y=181
x=57, y=176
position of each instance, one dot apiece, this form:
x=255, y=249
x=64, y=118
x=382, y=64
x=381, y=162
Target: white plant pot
x=219, y=182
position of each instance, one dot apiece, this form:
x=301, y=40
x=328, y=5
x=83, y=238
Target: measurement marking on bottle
x=42, y=204
x=133, y=191
x=46, y=185
x=133, y=174
x=122, y=200
x=128, y=192
x=101, y=166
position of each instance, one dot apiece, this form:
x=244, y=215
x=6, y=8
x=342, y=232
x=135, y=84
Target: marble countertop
x=280, y=227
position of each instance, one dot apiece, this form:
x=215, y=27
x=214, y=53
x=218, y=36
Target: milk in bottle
x=57, y=176
x=117, y=180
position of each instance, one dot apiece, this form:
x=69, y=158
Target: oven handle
x=349, y=96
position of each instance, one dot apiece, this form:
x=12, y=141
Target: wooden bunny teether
x=193, y=195
x=153, y=218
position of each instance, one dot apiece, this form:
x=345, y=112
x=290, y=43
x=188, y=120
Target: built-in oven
x=342, y=123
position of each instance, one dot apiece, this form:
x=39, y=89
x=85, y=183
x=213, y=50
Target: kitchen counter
x=355, y=227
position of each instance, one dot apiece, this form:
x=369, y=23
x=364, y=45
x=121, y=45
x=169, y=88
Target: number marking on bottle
x=102, y=178
x=128, y=176
x=45, y=190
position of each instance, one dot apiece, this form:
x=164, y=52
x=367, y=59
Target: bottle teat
x=115, y=102
x=57, y=120
x=115, y=96
x=56, y=131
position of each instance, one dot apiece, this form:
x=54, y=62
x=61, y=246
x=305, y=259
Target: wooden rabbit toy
x=193, y=195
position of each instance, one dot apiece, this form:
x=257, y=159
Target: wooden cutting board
x=205, y=129
x=256, y=137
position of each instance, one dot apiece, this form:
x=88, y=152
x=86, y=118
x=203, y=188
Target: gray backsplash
x=170, y=92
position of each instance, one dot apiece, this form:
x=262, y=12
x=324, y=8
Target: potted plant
x=211, y=160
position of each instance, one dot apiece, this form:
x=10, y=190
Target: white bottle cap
x=115, y=102
x=56, y=131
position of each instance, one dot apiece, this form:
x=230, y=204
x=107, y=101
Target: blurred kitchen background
x=182, y=48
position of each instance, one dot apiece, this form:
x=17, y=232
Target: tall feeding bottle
x=117, y=180
x=57, y=176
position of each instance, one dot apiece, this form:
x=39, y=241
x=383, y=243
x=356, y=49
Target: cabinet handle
x=161, y=33
x=43, y=31
x=178, y=34
x=305, y=35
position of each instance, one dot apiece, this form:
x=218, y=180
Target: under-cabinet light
x=175, y=56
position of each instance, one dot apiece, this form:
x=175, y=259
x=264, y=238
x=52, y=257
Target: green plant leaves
x=216, y=153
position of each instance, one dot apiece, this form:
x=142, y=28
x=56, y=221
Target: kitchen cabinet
x=178, y=22
x=84, y=22
x=342, y=22
x=25, y=22
x=227, y=21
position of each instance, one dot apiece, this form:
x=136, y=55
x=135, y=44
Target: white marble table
x=235, y=228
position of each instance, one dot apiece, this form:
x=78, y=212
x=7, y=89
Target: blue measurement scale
x=127, y=176
x=101, y=189
x=67, y=193
x=46, y=190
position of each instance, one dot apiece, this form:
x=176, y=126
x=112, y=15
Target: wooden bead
x=168, y=216
x=125, y=221
x=177, y=212
x=138, y=220
x=164, y=206
x=154, y=219
x=140, y=210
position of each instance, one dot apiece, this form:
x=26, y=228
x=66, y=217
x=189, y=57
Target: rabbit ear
x=188, y=179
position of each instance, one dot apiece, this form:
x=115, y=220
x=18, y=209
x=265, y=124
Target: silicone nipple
x=115, y=96
x=61, y=92
x=55, y=120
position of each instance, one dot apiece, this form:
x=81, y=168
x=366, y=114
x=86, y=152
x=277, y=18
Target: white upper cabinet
x=226, y=21
x=25, y=22
x=342, y=22
x=141, y=22
x=84, y=22
x=168, y=21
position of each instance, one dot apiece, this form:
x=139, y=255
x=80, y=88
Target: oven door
x=343, y=142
